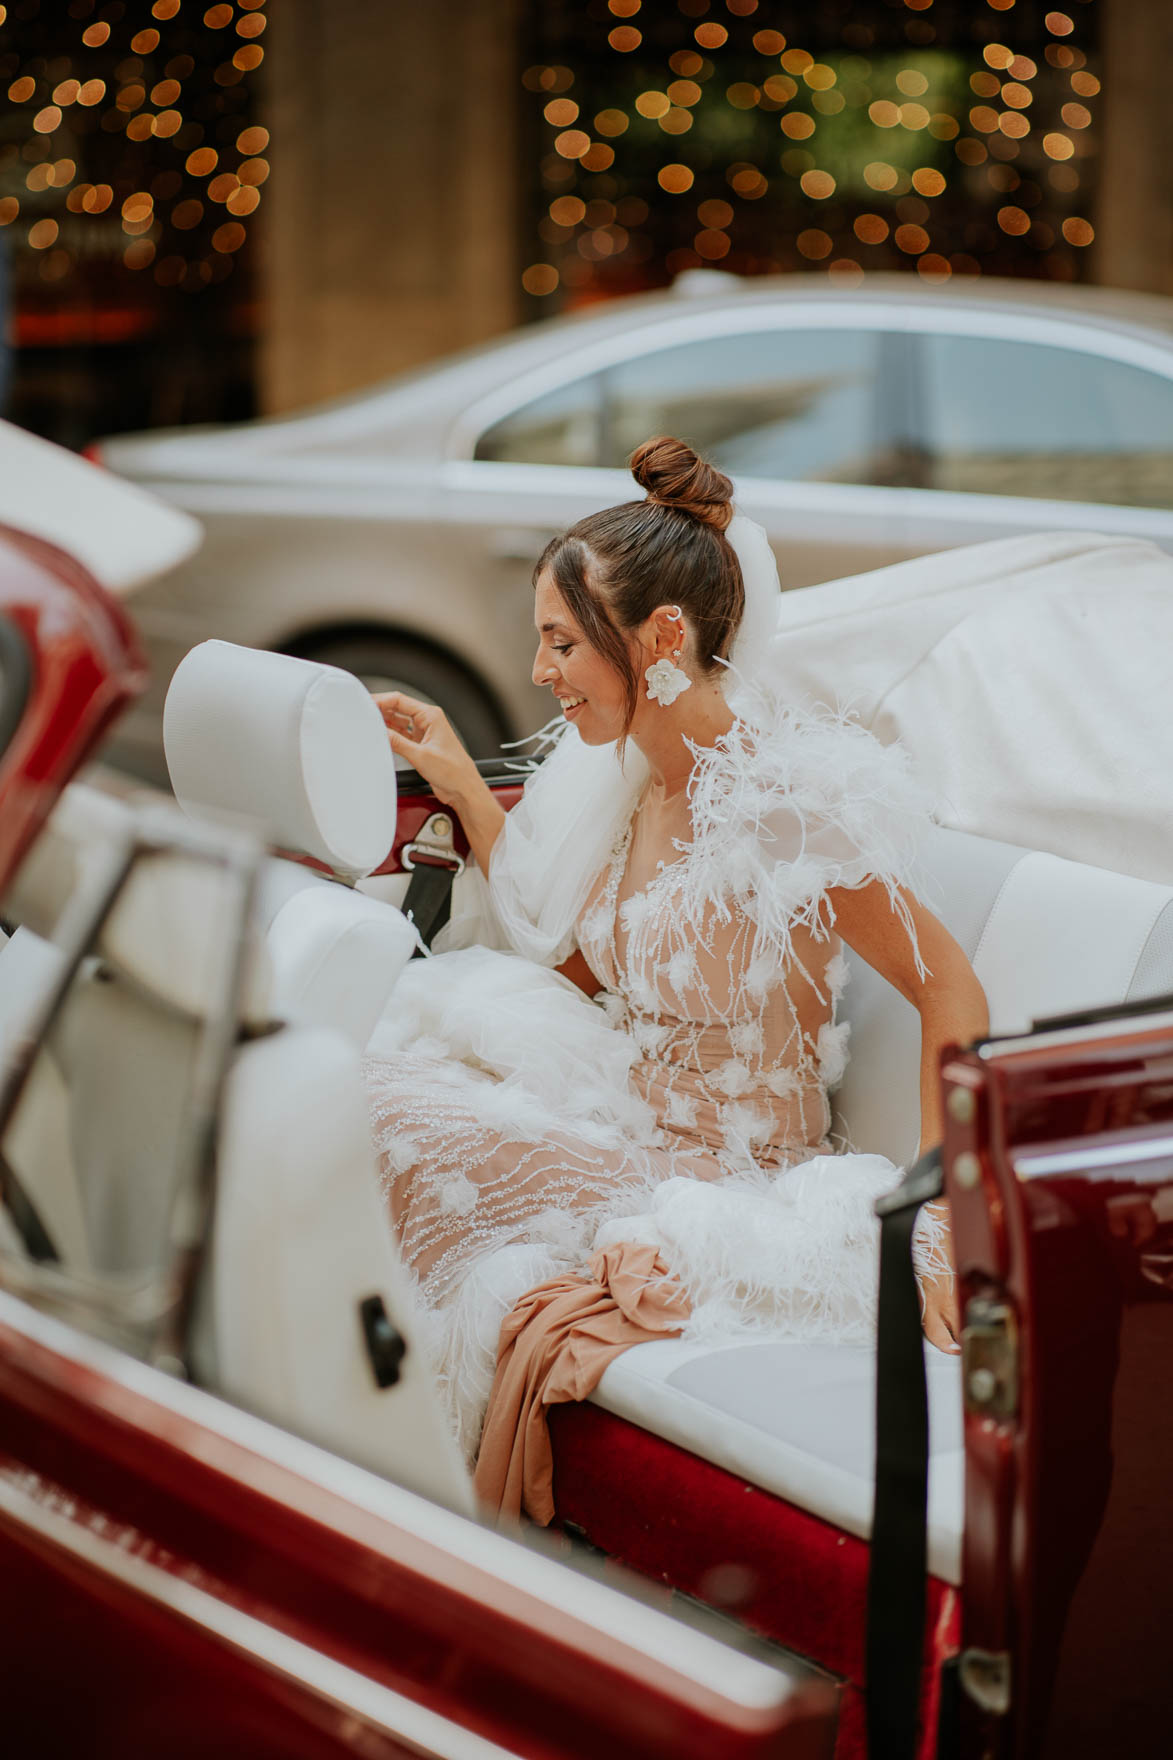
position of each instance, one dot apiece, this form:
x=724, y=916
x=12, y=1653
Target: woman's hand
x=422, y=734
x=939, y=1316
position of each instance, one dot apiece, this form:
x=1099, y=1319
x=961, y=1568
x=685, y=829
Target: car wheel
x=388, y=663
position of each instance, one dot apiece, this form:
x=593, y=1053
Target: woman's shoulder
x=798, y=799
x=805, y=758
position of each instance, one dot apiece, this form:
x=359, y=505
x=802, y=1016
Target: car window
x=1022, y=418
x=794, y=405
x=560, y=428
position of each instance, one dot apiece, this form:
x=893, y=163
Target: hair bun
x=673, y=475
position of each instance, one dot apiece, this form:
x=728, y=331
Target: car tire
x=390, y=663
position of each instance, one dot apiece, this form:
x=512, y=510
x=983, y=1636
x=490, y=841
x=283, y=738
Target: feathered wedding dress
x=521, y=1126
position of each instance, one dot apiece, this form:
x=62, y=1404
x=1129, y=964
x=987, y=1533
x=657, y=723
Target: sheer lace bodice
x=736, y=1051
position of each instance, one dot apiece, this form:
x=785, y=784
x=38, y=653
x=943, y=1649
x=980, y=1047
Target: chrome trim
x=1107, y=1156
x=1092, y=1034
x=691, y=1658
x=985, y=1677
x=379, y=1707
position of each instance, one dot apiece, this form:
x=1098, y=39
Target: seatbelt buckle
x=434, y=845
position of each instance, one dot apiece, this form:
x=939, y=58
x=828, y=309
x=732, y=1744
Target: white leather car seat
x=302, y=1269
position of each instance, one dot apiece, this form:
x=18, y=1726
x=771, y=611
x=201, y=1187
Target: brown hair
x=613, y=568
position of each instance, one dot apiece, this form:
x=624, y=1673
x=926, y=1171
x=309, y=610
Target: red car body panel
x=1069, y=1523
x=86, y=666
x=156, y=1521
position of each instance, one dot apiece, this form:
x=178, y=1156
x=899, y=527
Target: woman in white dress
x=691, y=853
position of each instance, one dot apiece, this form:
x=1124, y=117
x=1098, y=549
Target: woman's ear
x=666, y=631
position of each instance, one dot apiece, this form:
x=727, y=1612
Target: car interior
x=737, y=1473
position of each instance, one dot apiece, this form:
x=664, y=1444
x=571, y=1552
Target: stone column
x=391, y=217
x=1134, y=221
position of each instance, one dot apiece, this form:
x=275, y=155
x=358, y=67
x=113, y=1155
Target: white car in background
x=394, y=532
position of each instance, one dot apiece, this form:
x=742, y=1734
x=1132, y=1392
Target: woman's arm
x=953, y=1011
x=422, y=733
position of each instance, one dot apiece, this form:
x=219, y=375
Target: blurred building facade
x=212, y=209
x=492, y=162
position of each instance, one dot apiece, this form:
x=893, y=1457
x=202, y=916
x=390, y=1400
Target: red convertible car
x=232, y=1519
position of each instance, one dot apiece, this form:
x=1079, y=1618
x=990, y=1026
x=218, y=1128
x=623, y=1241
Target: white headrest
x=299, y=747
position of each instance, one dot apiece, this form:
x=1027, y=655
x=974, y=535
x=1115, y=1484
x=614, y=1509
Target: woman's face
x=587, y=686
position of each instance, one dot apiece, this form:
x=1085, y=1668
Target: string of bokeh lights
x=1018, y=129
x=185, y=221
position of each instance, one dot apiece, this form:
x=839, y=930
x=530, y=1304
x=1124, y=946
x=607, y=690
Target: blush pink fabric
x=555, y=1344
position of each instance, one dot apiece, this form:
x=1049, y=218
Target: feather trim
x=791, y=804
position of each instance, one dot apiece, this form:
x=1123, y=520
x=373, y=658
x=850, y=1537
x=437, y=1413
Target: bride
x=691, y=854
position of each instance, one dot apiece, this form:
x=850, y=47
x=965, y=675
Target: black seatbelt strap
x=428, y=900
x=34, y=1236
x=896, y=1581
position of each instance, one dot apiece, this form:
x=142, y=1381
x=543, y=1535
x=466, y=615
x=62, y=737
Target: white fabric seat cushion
x=334, y=954
x=797, y=1419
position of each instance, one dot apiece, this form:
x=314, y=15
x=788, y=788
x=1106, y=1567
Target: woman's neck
x=665, y=734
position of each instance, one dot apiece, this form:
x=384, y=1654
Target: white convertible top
x=122, y=534
x=1029, y=679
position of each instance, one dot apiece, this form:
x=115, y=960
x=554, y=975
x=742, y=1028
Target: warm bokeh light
x=818, y=185
x=540, y=279
x=911, y=239
x=870, y=228
x=714, y=213
x=814, y=244
x=878, y=175
x=1078, y=232
x=928, y=182
x=711, y=244
x=572, y=144
x=675, y=179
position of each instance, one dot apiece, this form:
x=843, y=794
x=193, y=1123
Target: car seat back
x=1046, y=936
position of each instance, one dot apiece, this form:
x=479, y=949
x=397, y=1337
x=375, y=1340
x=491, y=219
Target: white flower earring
x=666, y=680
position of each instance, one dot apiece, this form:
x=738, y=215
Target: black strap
x=896, y=1582
x=34, y=1236
x=428, y=900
